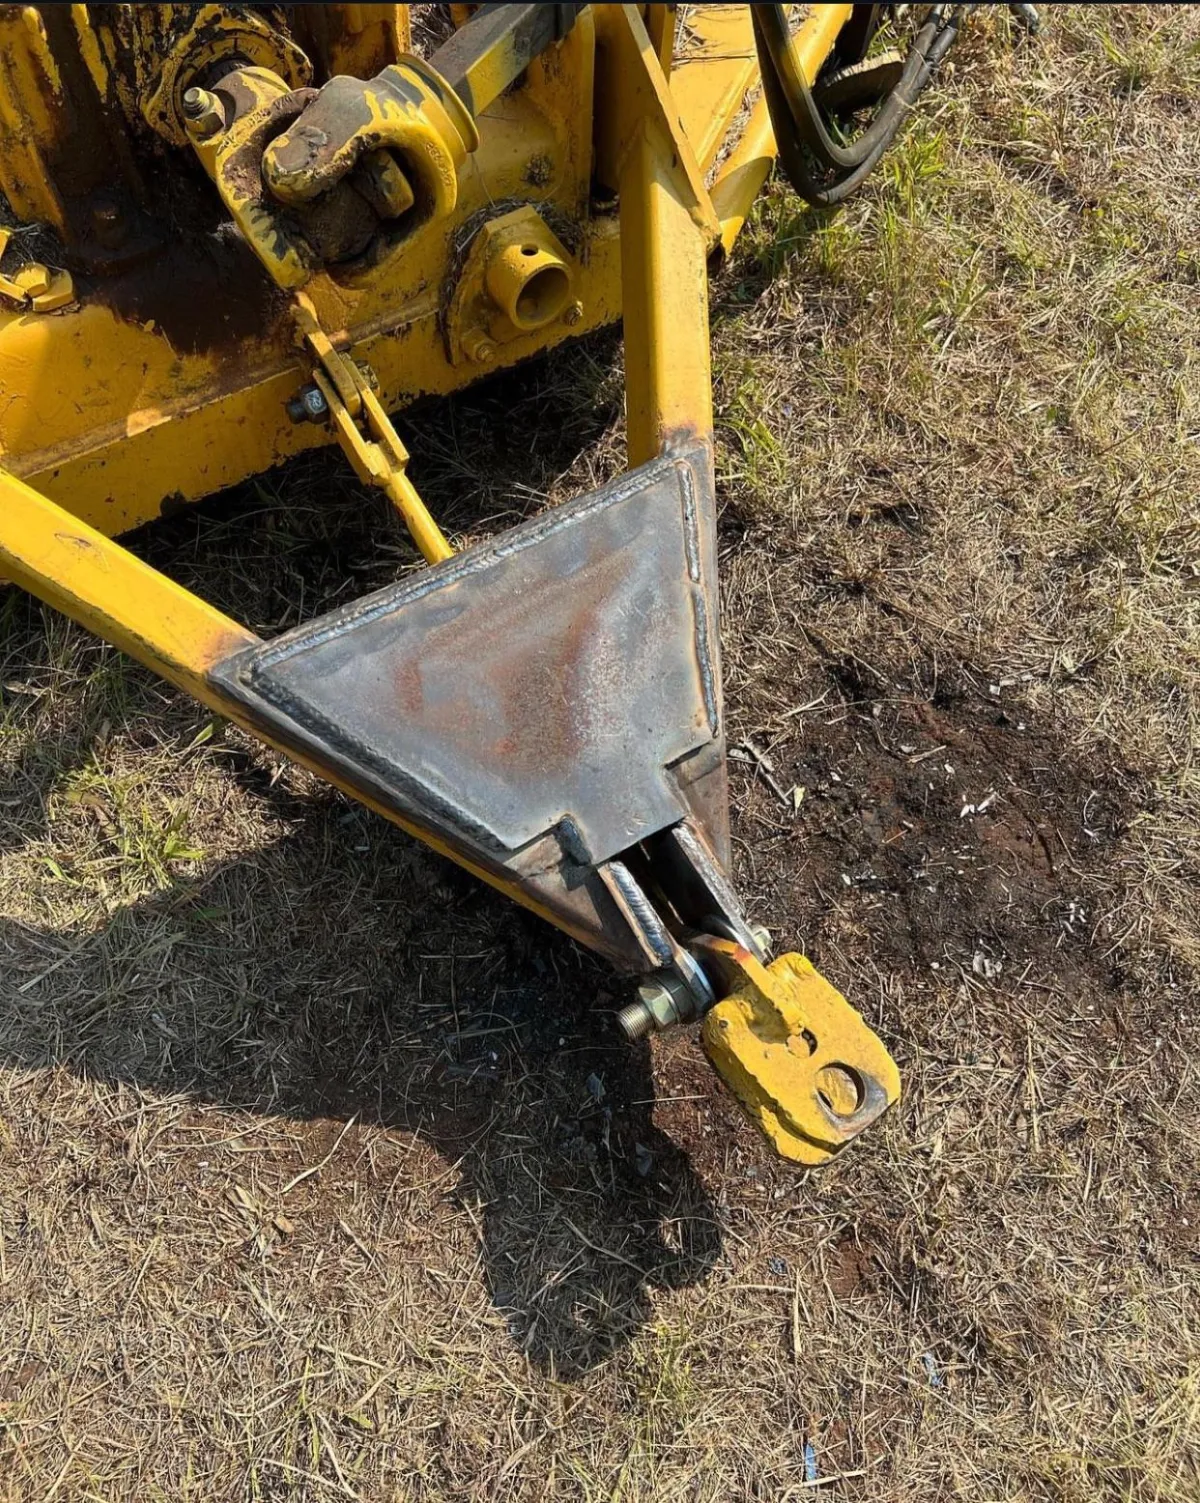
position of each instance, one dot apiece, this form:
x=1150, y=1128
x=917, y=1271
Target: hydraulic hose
x=819, y=168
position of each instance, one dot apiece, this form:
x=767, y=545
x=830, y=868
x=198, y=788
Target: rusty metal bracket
x=550, y=680
x=545, y=703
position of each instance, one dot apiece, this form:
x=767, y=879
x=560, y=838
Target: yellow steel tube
x=743, y=173
x=97, y=582
x=664, y=277
x=668, y=382
x=424, y=531
x=815, y=36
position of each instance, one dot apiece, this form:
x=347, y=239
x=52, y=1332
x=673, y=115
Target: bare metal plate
x=544, y=682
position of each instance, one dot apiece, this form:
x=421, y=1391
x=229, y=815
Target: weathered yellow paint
x=95, y=581
x=109, y=413
x=31, y=89
x=665, y=218
x=790, y=1047
x=714, y=66
x=354, y=39
x=814, y=39
x=407, y=109
x=126, y=423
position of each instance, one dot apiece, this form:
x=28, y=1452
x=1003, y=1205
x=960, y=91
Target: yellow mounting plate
x=801, y=1061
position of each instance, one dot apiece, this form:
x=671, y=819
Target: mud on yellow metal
x=239, y=232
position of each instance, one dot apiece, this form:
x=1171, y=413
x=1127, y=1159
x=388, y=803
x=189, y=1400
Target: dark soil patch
x=961, y=834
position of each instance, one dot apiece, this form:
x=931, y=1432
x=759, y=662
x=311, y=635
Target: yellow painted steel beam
x=814, y=38
x=636, y=96
x=95, y=581
x=661, y=29
x=743, y=174
x=715, y=64
x=668, y=382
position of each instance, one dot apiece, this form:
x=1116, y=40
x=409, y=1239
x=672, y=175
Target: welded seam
x=704, y=652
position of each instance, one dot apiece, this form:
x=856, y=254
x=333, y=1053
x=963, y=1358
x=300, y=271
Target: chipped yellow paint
x=115, y=417
x=806, y=1068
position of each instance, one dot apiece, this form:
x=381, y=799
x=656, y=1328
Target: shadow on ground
x=344, y=975
x=340, y=971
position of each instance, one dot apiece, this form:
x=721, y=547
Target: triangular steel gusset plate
x=541, y=703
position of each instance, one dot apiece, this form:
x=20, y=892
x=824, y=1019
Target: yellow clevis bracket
x=377, y=454
x=801, y=1061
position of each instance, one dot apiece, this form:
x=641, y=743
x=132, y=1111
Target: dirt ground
x=325, y=1173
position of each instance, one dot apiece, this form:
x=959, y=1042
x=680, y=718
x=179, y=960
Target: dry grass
x=324, y=1174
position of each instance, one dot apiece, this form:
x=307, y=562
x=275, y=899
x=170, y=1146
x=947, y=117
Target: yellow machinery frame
x=114, y=408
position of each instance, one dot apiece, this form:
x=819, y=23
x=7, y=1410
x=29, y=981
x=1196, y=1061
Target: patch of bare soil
x=969, y=832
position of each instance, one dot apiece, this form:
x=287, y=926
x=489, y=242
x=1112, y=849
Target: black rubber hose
x=819, y=168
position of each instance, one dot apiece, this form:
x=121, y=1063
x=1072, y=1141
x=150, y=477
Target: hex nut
x=314, y=402
x=202, y=113
x=479, y=348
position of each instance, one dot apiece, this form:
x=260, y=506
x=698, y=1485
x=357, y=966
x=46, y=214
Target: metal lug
x=805, y=1067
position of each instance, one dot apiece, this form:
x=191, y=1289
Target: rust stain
x=207, y=294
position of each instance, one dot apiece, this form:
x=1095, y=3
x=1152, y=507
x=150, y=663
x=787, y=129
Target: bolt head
x=572, y=313
x=308, y=405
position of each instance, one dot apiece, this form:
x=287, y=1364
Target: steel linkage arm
x=797, y=1055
